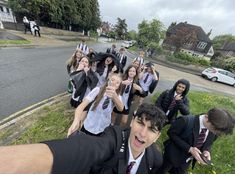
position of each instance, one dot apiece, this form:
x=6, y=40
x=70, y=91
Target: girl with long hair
x=129, y=86
x=83, y=81
x=72, y=62
x=99, y=114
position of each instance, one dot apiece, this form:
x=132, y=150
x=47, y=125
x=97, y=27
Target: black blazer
x=177, y=146
x=124, y=59
x=99, y=155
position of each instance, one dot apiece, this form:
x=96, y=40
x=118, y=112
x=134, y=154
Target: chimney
x=208, y=34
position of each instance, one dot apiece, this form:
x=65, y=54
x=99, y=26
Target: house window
x=201, y=45
x=1, y=8
x=8, y=11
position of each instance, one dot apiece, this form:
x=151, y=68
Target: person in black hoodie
x=174, y=100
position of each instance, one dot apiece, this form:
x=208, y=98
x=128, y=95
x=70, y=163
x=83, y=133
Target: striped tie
x=129, y=167
x=172, y=105
x=201, y=138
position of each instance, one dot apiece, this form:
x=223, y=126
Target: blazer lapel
x=123, y=162
x=196, y=131
x=143, y=167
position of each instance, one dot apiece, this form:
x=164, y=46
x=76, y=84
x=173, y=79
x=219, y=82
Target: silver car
x=220, y=75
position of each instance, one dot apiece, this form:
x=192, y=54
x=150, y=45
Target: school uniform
x=107, y=154
x=176, y=153
x=140, y=59
x=97, y=120
x=111, y=51
x=127, y=98
x=83, y=47
x=147, y=83
x=82, y=84
x=122, y=59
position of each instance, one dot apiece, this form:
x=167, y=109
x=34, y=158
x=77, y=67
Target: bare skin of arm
x=26, y=159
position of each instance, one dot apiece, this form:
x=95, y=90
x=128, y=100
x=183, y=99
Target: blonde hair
x=103, y=88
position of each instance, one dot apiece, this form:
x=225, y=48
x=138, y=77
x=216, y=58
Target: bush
x=188, y=59
x=229, y=64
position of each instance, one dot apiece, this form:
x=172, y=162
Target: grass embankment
x=223, y=153
x=17, y=42
x=53, y=122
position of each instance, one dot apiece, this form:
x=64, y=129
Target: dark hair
x=221, y=120
x=153, y=114
x=89, y=61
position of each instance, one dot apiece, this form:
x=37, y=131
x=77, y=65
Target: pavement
x=44, y=40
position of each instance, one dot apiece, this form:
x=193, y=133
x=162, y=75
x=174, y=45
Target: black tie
x=127, y=89
x=146, y=78
x=106, y=103
x=201, y=138
x=129, y=167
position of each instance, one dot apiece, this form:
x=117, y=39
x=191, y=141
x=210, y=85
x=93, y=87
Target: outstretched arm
x=26, y=159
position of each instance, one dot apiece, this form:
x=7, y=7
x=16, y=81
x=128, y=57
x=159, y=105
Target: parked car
x=127, y=44
x=220, y=75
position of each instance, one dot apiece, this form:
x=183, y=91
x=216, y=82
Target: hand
x=178, y=97
x=86, y=69
x=110, y=92
x=153, y=68
x=80, y=67
x=196, y=154
x=137, y=87
x=114, y=68
x=207, y=154
x=126, y=82
x=74, y=127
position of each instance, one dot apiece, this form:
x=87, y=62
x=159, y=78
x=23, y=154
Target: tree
x=219, y=41
x=131, y=35
x=151, y=31
x=121, y=28
x=82, y=14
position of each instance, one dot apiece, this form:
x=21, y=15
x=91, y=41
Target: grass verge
x=17, y=42
x=53, y=122
x=223, y=153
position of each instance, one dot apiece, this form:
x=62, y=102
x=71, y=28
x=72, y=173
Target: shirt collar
x=201, y=118
x=131, y=158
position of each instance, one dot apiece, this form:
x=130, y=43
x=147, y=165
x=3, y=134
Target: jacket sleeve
x=160, y=99
x=184, y=106
x=175, y=131
x=80, y=152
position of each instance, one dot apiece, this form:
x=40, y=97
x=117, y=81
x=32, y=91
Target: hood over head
x=186, y=83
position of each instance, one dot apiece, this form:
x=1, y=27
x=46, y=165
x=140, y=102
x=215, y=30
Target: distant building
x=227, y=50
x=188, y=38
x=106, y=27
x=5, y=12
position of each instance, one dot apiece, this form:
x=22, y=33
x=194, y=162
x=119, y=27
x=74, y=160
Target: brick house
x=188, y=38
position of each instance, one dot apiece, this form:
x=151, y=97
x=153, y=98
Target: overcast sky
x=218, y=15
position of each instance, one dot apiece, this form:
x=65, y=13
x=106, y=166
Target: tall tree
x=151, y=31
x=121, y=28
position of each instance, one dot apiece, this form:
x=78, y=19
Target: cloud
x=210, y=14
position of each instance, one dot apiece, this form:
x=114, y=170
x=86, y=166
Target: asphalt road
x=28, y=76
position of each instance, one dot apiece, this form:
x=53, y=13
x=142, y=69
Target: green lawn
x=223, y=151
x=56, y=120
x=18, y=42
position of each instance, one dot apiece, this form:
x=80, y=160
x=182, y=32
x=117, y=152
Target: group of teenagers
x=103, y=87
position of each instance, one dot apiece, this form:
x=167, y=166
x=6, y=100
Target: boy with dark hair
x=191, y=138
x=174, y=100
x=116, y=151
